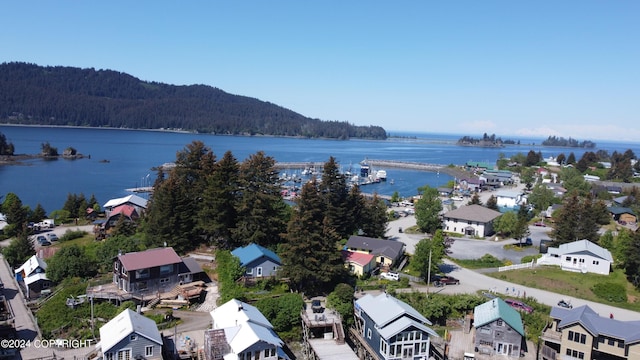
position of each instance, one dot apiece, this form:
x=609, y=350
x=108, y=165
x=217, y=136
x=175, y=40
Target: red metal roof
x=149, y=258
x=126, y=210
x=361, y=259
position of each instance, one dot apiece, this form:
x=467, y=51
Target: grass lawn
x=572, y=284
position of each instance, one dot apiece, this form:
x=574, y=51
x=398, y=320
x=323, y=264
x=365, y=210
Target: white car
x=390, y=276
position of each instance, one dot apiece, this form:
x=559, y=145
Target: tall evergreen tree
x=492, y=203
x=310, y=256
x=218, y=215
x=16, y=215
x=19, y=250
x=375, y=218
x=261, y=210
x=428, y=209
x=334, y=189
x=356, y=203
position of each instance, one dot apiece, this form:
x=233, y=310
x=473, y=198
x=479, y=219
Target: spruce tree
x=310, y=256
x=335, y=192
x=375, y=216
x=218, y=215
x=428, y=209
x=261, y=209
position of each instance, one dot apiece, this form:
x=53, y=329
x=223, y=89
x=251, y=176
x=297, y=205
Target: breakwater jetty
x=456, y=171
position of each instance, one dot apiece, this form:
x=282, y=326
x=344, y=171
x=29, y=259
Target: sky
x=567, y=68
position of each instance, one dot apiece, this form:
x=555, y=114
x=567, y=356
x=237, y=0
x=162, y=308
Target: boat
x=382, y=175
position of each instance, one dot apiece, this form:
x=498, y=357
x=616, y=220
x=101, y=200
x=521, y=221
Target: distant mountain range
x=68, y=96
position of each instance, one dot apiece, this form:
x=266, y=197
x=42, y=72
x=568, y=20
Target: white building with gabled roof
x=579, y=256
x=130, y=335
x=137, y=202
x=240, y=331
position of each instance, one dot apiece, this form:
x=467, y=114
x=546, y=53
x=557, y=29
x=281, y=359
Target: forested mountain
x=36, y=95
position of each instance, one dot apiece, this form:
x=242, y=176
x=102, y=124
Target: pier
x=377, y=163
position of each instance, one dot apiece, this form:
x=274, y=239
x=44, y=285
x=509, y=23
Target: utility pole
x=429, y=273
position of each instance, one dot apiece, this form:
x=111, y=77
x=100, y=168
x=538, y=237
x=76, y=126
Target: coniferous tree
x=475, y=200
x=425, y=249
x=218, y=216
x=571, y=159
x=310, y=257
x=335, y=192
x=492, y=203
x=356, y=203
x=261, y=210
x=428, y=209
x=19, y=250
x=16, y=215
x=375, y=218
x=37, y=214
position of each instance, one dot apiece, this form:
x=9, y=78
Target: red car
x=448, y=280
x=540, y=223
x=519, y=305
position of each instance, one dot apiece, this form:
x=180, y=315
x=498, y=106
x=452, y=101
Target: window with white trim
x=148, y=350
x=368, y=333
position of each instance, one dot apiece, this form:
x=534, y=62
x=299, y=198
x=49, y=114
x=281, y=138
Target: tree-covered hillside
x=36, y=95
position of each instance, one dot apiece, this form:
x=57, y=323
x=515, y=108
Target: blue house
x=392, y=328
x=257, y=260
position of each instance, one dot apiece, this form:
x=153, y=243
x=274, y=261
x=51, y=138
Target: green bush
x=72, y=235
x=610, y=291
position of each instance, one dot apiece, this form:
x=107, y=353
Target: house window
x=124, y=354
x=611, y=342
x=568, y=258
x=269, y=352
x=148, y=350
x=259, y=271
x=166, y=269
x=383, y=347
x=368, y=333
x=164, y=281
x=108, y=356
x=250, y=271
x=596, y=262
x=116, y=265
x=143, y=273
x=133, y=337
x=581, y=261
x=124, y=272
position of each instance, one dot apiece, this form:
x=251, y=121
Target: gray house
x=387, y=252
x=499, y=329
x=392, y=328
x=257, y=260
x=130, y=335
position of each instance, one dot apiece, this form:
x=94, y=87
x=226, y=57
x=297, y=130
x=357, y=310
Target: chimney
x=240, y=308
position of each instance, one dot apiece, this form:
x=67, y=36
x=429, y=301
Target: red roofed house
x=150, y=271
x=129, y=212
x=358, y=263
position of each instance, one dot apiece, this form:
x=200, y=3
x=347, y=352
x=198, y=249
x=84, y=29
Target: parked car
x=565, y=304
x=40, y=239
x=393, y=276
x=519, y=305
x=448, y=280
x=540, y=223
x=52, y=237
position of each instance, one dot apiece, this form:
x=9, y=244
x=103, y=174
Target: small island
x=560, y=141
x=486, y=141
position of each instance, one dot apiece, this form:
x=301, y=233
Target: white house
x=137, y=202
x=240, y=331
x=579, y=256
x=510, y=199
x=130, y=335
x=472, y=220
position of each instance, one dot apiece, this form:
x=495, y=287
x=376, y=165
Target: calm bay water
x=132, y=154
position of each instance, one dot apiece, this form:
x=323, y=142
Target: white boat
x=381, y=175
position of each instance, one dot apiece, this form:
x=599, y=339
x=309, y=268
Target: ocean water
x=132, y=154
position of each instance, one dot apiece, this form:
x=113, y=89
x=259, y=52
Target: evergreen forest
x=68, y=96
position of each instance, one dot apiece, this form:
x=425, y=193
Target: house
x=580, y=256
x=139, y=203
x=444, y=191
x=153, y=270
x=510, y=199
x=623, y=214
x=130, y=335
x=33, y=274
x=580, y=333
x=551, y=209
x=499, y=329
x=358, y=263
x=471, y=185
x=257, y=260
x=471, y=220
x=386, y=252
x=498, y=177
x=558, y=189
x=241, y=331
x=128, y=212
x=392, y=328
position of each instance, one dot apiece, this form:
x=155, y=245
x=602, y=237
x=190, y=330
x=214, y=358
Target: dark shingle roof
x=629, y=331
x=389, y=248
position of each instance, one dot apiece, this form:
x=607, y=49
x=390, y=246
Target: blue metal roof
x=252, y=252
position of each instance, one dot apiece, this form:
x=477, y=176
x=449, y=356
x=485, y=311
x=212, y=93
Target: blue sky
x=522, y=68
